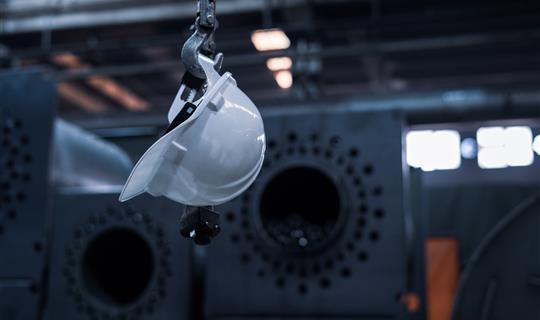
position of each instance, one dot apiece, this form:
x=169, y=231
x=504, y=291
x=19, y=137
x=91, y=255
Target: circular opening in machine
x=117, y=266
x=300, y=208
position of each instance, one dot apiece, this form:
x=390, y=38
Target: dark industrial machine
x=502, y=278
x=321, y=233
x=25, y=138
x=117, y=261
x=338, y=225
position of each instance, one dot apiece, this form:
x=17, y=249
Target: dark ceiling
x=339, y=48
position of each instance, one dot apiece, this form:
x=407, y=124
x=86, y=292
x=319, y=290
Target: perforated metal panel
x=27, y=103
x=118, y=261
x=321, y=232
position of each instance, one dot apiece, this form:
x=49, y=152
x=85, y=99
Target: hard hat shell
x=211, y=157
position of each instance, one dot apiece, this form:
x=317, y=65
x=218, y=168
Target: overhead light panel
x=107, y=86
x=500, y=147
x=278, y=64
x=433, y=150
x=284, y=79
x=270, y=39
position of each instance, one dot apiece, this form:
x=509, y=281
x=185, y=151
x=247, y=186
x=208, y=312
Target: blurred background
x=401, y=178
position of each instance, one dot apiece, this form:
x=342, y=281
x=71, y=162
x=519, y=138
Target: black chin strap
x=191, y=89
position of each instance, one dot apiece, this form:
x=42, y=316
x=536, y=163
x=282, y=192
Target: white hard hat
x=209, y=158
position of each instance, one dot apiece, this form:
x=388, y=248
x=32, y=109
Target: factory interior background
x=401, y=177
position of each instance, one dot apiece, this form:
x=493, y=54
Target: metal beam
x=326, y=52
x=420, y=107
x=65, y=19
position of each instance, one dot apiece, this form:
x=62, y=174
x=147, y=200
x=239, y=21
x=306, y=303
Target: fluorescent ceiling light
x=433, y=150
x=504, y=147
x=277, y=64
x=107, y=86
x=270, y=39
x=284, y=79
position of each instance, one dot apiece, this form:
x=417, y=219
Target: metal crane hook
x=202, y=40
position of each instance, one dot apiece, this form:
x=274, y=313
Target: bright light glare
x=469, y=148
x=277, y=64
x=433, y=150
x=284, y=79
x=503, y=147
x=270, y=39
x=536, y=144
x=492, y=158
x=490, y=136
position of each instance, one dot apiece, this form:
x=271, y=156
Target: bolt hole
x=345, y=272
x=362, y=209
x=368, y=169
x=334, y=141
x=229, y=217
x=292, y=137
x=329, y=264
x=324, y=283
x=27, y=158
x=34, y=288
x=302, y=289
x=38, y=247
x=280, y=282
x=362, y=256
